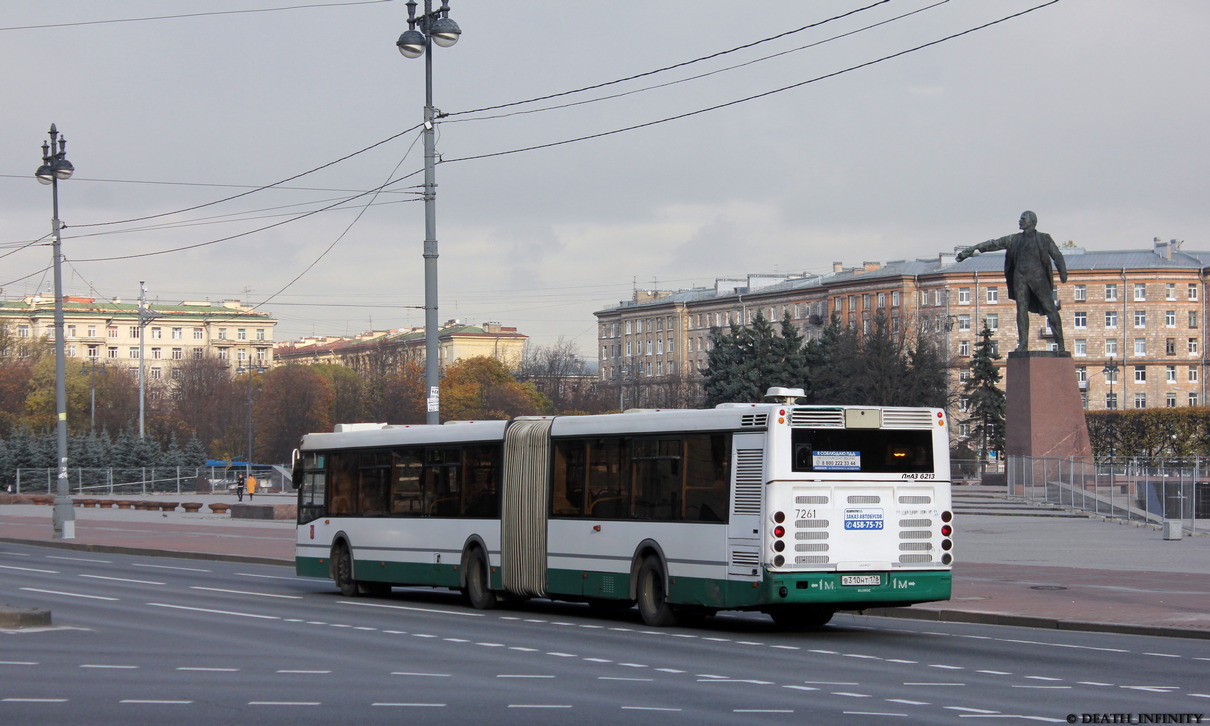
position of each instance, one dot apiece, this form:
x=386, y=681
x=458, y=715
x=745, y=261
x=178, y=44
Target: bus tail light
x=779, y=544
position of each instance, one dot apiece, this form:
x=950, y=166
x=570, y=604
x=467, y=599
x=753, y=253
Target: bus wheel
x=801, y=618
x=343, y=575
x=653, y=599
x=478, y=586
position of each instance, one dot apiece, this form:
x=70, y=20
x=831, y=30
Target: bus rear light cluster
x=947, y=531
x=779, y=544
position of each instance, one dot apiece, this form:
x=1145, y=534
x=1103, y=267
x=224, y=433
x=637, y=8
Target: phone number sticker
x=863, y=518
x=836, y=460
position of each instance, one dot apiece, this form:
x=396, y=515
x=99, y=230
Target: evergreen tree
x=744, y=363
x=195, y=453
x=722, y=380
x=986, y=400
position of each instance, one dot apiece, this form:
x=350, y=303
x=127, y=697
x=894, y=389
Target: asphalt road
x=160, y=640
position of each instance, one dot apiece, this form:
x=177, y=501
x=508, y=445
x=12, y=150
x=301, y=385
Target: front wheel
x=653, y=596
x=343, y=571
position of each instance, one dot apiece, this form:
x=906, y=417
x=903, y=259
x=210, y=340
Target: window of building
x=1140, y=400
x=1080, y=293
x=882, y=299
x=993, y=295
x=222, y=333
x=111, y=331
x=1193, y=346
x=1081, y=347
x=260, y=333
x=1192, y=374
x=197, y=333
x=629, y=350
x=134, y=332
x=1170, y=374
x=993, y=321
x=1111, y=319
x=155, y=374
x=1170, y=346
x=1170, y=291
x=1140, y=318
x=198, y=353
x=241, y=334
x=1170, y=318
x=1081, y=320
x=133, y=352
x=671, y=347
x=1140, y=346
x=1193, y=291
x=1111, y=401
x=649, y=347
x=178, y=353
x=1081, y=374
x=964, y=323
x=1111, y=292
x=1111, y=346
x=1111, y=375
x=895, y=299
x=156, y=354
x=111, y=351
x=964, y=296
x=1192, y=318
x=1192, y=398
x=157, y=333
x=659, y=346
x=1170, y=400
x=224, y=354
x=1140, y=374
x=92, y=331
x=1140, y=291
x=964, y=347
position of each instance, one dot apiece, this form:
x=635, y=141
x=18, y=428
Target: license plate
x=861, y=580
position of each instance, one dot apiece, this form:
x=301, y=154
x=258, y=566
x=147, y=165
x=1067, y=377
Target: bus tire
x=792, y=617
x=478, y=582
x=652, y=595
x=342, y=571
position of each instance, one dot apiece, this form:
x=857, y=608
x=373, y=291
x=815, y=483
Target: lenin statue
x=1027, y=267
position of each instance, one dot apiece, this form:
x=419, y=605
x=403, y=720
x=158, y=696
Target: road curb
x=1026, y=621
x=118, y=550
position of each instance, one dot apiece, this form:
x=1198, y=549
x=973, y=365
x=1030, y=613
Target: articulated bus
x=792, y=510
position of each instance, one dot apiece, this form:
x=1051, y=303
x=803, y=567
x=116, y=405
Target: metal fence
x=1159, y=493
x=149, y=480
x=967, y=471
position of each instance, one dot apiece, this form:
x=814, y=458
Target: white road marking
x=171, y=567
x=1163, y=655
x=907, y=702
x=648, y=708
x=33, y=700
x=18, y=662
x=155, y=702
x=110, y=667
x=69, y=594
x=78, y=559
x=245, y=592
x=202, y=669
x=521, y=675
x=212, y=611
x=299, y=672
x=29, y=569
x=284, y=703
x=873, y=713
x=410, y=705
x=538, y=705
x=619, y=678
x=124, y=579
x=968, y=710
x=404, y=607
x=421, y=675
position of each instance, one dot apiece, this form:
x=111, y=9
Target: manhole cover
x=1047, y=587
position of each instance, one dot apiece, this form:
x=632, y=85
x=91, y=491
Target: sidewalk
x=1064, y=573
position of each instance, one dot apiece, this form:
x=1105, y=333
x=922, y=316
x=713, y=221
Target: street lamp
x=91, y=366
x=417, y=40
x=250, y=371
x=55, y=166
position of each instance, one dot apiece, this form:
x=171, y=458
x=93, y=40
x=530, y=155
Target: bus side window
x=567, y=490
x=406, y=497
x=343, y=483
x=481, y=473
x=707, y=478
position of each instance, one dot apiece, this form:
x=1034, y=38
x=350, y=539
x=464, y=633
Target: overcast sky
x=1090, y=112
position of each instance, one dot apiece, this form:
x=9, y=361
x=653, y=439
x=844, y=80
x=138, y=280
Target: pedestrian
x=251, y=486
x=239, y=487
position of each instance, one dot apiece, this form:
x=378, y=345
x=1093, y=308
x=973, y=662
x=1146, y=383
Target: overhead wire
x=47, y=26
x=736, y=102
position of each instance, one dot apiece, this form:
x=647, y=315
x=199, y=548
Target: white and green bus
x=796, y=511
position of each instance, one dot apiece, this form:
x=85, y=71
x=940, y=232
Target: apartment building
x=455, y=342
x=114, y=333
x=1132, y=319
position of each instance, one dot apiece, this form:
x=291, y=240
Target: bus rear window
x=874, y=451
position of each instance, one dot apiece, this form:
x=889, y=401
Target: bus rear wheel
x=653, y=596
x=792, y=617
x=478, y=582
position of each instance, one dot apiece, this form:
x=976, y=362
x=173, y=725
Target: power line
x=746, y=99
x=46, y=26
x=671, y=67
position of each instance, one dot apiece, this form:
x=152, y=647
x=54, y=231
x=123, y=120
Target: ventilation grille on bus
x=811, y=523
x=915, y=546
x=865, y=499
x=754, y=419
x=745, y=558
x=818, y=418
x=907, y=523
x=749, y=477
x=813, y=499
x=916, y=500
x=813, y=560
x=907, y=418
x=914, y=559
x=915, y=534
x=820, y=547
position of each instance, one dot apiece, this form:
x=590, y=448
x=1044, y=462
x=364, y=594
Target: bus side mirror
x=296, y=471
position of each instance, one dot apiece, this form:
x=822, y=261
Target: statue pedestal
x=1044, y=417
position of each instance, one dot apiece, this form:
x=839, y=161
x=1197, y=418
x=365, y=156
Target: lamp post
x=91, y=366
x=250, y=370
x=55, y=166
x=417, y=40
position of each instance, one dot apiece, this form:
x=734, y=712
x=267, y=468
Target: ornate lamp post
x=417, y=40
x=55, y=166
x=1111, y=373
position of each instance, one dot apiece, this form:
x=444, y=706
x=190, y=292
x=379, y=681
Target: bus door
x=523, y=506
x=748, y=489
